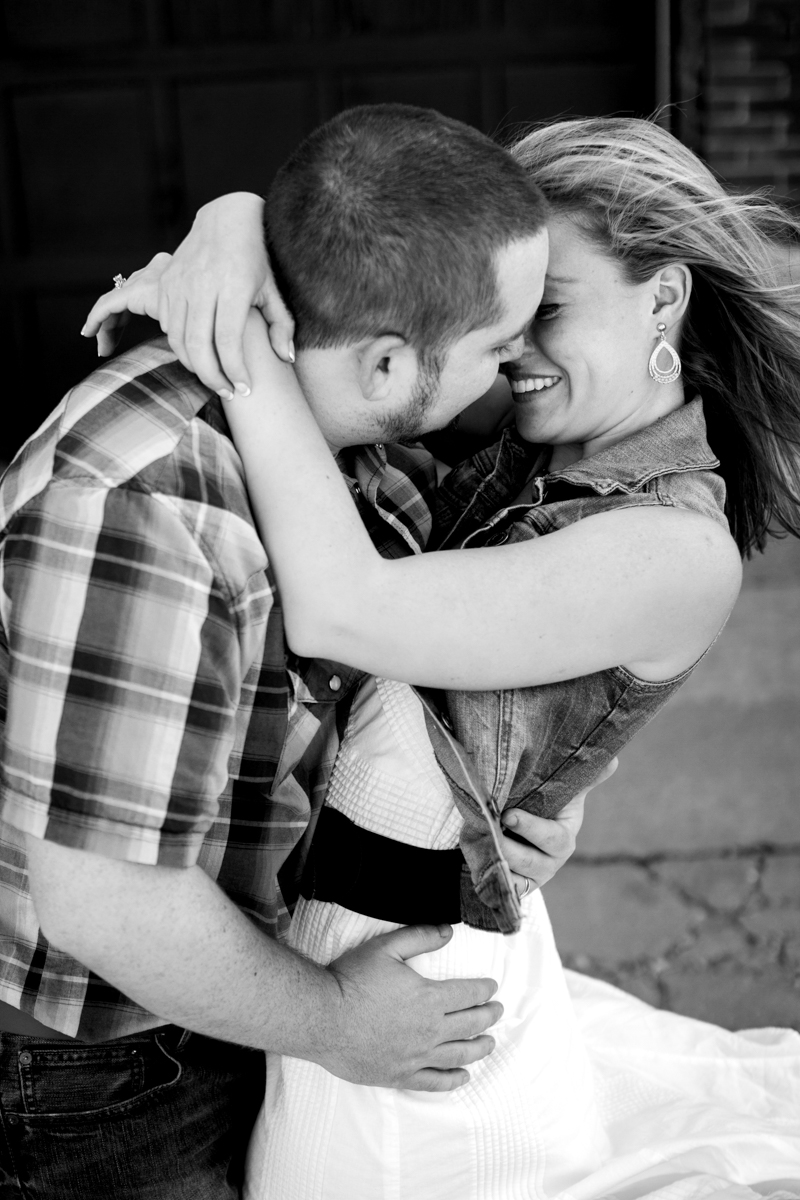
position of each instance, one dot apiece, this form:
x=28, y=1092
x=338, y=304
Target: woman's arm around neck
x=648, y=589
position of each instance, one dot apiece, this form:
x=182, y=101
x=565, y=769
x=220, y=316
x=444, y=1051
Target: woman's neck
x=667, y=400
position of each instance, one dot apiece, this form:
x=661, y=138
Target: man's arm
x=171, y=940
x=127, y=673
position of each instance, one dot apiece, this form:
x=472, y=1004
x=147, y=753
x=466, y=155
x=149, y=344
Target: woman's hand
x=549, y=842
x=202, y=294
x=140, y=294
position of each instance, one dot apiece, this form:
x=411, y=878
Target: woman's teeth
x=533, y=385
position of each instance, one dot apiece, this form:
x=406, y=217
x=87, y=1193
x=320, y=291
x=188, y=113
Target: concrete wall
x=736, y=82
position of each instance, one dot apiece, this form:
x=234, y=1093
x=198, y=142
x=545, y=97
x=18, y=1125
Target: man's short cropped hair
x=387, y=219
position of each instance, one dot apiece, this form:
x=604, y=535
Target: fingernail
x=242, y=389
x=225, y=394
x=511, y=820
x=83, y=332
x=291, y=352
x=444, y=930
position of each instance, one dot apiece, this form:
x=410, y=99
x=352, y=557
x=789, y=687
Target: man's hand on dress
x=395, y=1028
x=547, y=844
x=201, y=295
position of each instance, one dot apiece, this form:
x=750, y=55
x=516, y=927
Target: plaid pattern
x=150, y=711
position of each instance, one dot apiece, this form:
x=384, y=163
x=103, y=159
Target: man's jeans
x=164, y=1115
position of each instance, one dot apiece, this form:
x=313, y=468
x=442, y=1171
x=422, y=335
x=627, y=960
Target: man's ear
x=386, y=366
x=672, y=289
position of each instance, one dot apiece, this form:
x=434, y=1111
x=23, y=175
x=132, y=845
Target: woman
x=603, y=567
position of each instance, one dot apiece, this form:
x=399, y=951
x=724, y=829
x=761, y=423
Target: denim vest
x=535, y=748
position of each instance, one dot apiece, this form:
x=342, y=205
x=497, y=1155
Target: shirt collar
x=399, y=483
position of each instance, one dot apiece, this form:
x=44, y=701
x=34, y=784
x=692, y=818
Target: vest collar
x=675, y=443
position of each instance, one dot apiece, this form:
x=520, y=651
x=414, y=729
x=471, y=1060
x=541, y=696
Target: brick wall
x=738, y=76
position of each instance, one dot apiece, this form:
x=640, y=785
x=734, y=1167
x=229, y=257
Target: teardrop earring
x=674, y=370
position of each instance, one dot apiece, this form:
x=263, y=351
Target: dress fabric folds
x=590, y=1094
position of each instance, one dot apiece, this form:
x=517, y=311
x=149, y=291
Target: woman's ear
x=385, y=365
x=672, y=289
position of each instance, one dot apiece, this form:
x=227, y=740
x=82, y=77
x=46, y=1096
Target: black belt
x=379, y=877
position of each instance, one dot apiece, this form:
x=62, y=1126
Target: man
x=163, y=754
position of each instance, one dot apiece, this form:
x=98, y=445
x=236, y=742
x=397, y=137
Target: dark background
x=118, y=118
x=121, y=117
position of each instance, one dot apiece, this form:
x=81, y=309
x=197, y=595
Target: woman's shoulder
x=694, y=569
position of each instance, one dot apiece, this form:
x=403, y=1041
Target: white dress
x=589, y=1094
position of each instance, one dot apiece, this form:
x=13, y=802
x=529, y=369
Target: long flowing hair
x=646, y=199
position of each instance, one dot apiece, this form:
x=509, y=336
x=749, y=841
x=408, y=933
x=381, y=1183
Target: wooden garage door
x=120, y=117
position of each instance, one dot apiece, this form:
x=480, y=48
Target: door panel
x=120, y=119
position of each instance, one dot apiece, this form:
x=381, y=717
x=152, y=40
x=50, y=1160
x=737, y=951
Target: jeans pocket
x=60, y=1080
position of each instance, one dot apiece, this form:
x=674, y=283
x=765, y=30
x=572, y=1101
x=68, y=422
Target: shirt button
x=12, y=1119
x=379, y=445
x=26, y=1058
x=334, y=683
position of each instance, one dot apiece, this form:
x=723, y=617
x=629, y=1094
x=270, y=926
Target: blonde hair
x=647, y=200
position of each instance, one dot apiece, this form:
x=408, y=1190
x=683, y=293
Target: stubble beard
x=409, y=424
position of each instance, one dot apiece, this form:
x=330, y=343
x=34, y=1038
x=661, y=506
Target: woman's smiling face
x=582, y=380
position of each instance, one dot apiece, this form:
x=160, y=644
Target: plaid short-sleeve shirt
x=151, y=710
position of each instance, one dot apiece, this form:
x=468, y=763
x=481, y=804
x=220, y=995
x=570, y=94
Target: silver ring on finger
x=525, y=890
x=119, y=281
